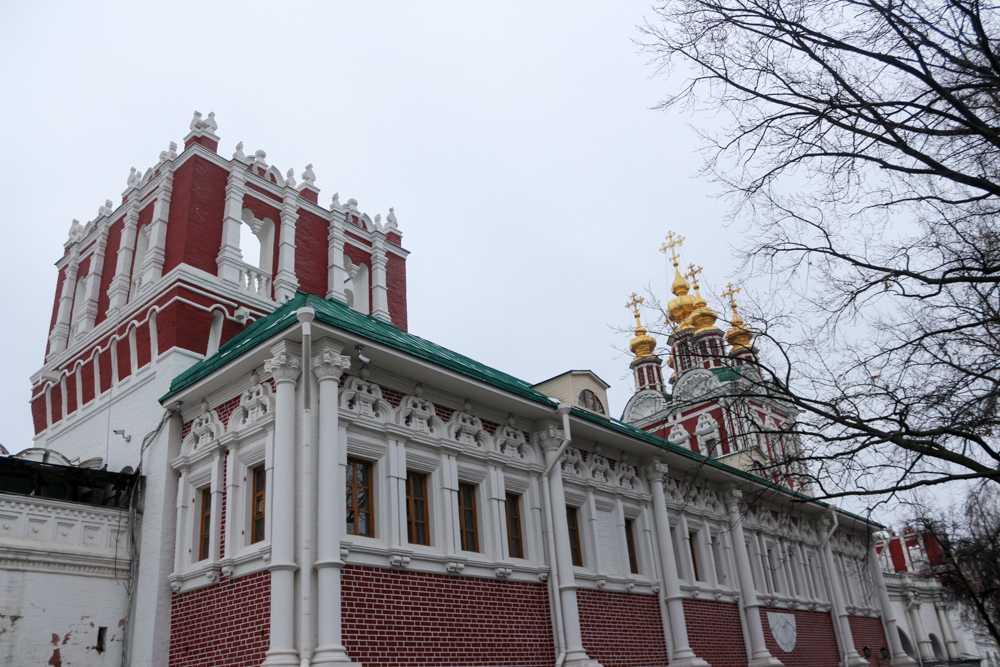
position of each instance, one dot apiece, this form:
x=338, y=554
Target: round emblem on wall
x=783, y=630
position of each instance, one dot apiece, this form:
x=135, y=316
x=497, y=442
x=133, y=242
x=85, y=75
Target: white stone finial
x=352, y=205
x=378, y=221
x=196, y=122
x=106, y=209
x=134, y=177
x=308, y=175
x=239, y=154
x=172, y=150
x=390, y=220
x=258, y=159
x=210, y=123
x=335, y=201
x=290, y=178
x=75, y=231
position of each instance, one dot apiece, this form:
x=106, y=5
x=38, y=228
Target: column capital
x=550, y=437
x=734, y=500
x=283, y=367
x=655, y=471
x=329, y=365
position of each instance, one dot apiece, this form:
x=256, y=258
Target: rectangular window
x=359, y=498
x=416, y=509
x=205, y=533
x=574, y=536
x=259, y=498
x=693, y=541
x=633, y=562
x=467, y=517
x=515, y=546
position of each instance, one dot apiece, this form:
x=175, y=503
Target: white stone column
x=682, y=655
x=59, y=338
x=285, y=282
x=917, y=625
x=759, y=655
x=285, y=369
x=336, y=274
x=899, y=657
x=951, y=644
x=216, y=490
x=230, y=259
x=88, y=313
x=395, y=476
x=183, y=528
x=380, y=291
x=496, y=520
x=328, y=366
x=121, y=284
x=234, y=532
x=842, y=620
x=152, y=264
x=550, y=439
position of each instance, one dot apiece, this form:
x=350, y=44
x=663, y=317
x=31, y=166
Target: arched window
x=589, y=400
x=357, y=285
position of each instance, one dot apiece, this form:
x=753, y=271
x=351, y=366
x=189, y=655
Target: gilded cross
x=673, y=241
x=729, y=294
x=693, y=274
x=634, y=305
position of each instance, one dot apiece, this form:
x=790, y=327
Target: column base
x=281, y=658
x=902, y=661
x=766, y=661
x=856, y=661
x=579, y=659
x=332, y=655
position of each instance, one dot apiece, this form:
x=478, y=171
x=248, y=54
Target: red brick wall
x=38, y=412
x=226, y=624
x=815, y=644
x=414, y=618
x=87, y=371
x=868, y=632
x=197, y=206
x=395, y=280
x=622, y=629
x=715, y=632
x=108, y=270
x=311, y=252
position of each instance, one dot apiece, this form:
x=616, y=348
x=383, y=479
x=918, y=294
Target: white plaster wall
x=131, y=405
x=48, y=618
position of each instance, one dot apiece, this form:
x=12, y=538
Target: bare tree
x=966, y=556
x=860, y=142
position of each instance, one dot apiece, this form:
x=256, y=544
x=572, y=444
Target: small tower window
x=589, y=400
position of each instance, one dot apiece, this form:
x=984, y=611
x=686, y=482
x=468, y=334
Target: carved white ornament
x=627, y=476
x=364, y=398
x=206, y=429
x=600, y=469
x=572, y=462
x=255, y=404
x=512, y=443
x=468, y=429
x=419, y=415
x=783, y=629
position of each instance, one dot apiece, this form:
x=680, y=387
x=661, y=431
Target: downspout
x=554, y=593
x=305, y=315
x=553, y=574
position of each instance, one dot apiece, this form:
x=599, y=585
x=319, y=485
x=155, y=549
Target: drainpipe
x=306, y=315
x=554, y=572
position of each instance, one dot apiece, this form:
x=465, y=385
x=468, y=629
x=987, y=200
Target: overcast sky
x=532, y=180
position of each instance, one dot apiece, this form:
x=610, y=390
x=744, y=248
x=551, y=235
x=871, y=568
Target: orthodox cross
x=730, y=293
x=673, y=241
x=634, y=306
x=693, y=274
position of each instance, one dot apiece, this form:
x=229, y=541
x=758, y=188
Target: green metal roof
x=340, y=315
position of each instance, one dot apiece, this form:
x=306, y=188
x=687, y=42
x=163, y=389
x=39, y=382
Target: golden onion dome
x=681, y=307
x=643, y=344
x=739, y=335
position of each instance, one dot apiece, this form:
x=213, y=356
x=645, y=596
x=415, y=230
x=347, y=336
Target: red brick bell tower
x=168, y=270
